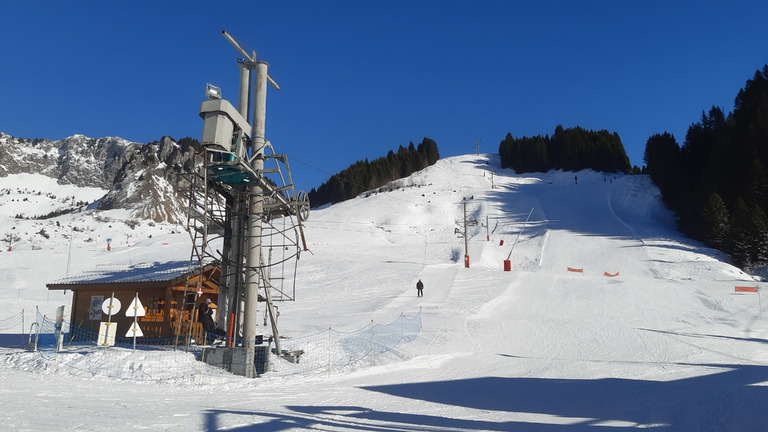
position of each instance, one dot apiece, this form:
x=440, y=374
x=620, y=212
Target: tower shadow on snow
x=584, y=405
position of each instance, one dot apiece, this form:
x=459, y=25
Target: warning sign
x=135, y=309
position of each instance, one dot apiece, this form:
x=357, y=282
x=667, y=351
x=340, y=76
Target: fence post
x=202, y=359
x=39, y=324
x=371, y=342
x=329, y=351
x=30, y=346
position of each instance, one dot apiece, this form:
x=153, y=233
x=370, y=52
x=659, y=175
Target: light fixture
x=212, y=92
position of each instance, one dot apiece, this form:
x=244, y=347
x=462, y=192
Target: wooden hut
x=161, y=289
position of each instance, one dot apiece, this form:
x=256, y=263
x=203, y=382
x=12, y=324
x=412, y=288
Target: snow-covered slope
x=664, y=344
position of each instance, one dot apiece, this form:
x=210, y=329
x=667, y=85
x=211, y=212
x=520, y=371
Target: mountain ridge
x=141, y=178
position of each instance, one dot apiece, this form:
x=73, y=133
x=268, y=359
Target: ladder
x=197, y=227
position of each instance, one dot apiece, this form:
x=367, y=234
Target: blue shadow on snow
x=726, y=400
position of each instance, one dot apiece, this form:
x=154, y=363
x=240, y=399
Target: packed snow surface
x=608, y=318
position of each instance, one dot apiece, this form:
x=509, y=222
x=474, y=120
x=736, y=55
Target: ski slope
x=664, y=345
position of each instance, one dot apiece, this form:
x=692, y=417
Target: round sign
x=111, y=304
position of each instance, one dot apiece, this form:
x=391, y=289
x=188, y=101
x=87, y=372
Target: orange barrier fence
x=745, y=289
x=581, y=270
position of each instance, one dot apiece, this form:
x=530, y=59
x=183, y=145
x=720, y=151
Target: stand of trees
x=717, y=182
x=572, y=149
x=364, y=175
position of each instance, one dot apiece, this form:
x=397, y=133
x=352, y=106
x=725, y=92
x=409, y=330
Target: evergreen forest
x=571, y=149
x=363, y=176
x=716, y=182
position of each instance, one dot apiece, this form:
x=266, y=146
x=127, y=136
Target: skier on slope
x=419, y=288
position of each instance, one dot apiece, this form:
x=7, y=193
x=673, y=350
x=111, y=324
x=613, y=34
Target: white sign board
x=135, y=309
x=107, y=332
x=134, y=331
x=111, y=304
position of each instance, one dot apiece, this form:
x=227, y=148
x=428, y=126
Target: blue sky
x=360, y=78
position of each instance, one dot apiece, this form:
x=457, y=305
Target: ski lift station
x=241, y=198
x=159, y=286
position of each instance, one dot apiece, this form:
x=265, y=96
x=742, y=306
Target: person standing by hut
x=205, y=316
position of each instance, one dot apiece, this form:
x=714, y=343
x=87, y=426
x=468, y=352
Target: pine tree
x=663, y=164
x=364, y=175
x=715, y=221
x=739, y=243
x=759, y=231
x=748, y=244
x=428, y=147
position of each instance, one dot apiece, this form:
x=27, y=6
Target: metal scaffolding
x=243, y=196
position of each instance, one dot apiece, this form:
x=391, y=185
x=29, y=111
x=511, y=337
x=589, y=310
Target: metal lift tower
x=252, y=207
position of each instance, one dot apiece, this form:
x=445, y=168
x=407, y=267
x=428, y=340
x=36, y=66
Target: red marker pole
x=231, y=328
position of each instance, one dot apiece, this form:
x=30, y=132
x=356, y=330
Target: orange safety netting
x=746, y=289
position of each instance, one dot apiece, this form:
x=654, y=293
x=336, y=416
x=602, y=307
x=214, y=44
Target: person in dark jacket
x=419, y=288
x=205, y=316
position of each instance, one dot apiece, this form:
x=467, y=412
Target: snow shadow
x=592, y=404
x=353, y=418
x=589, y=213
x=14, y=340
x=570, y=404
x=702, y=335
x=584, y=213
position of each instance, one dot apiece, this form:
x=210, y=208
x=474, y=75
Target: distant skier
x=419, y=288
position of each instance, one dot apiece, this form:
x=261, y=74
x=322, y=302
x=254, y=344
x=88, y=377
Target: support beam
x=253, y=256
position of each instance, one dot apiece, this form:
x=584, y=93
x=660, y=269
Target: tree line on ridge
x=572, y=149
x=716, y=182
x=365, y=175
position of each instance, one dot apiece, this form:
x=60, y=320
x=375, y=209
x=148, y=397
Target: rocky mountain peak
x=142, y=178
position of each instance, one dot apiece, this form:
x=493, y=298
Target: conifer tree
x=726, y=154
x=662, y=159
x=759, y=232
x=739, y=243
x=366, y=175
x=571, y=149
x=715, y=221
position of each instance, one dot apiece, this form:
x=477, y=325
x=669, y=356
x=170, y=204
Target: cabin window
x=155, y=306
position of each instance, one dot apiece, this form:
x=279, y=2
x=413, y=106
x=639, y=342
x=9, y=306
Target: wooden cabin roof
x=143, y=275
